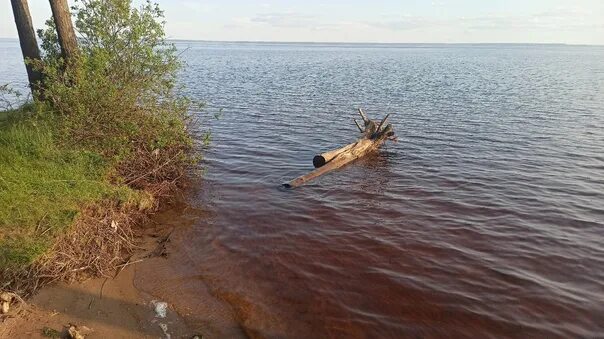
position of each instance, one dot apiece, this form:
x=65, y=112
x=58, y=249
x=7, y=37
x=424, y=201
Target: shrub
x=106, y=139
x=119, y=96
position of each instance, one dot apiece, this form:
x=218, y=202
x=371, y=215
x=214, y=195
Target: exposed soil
x=102, y=307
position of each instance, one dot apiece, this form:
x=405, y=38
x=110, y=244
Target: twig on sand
x=102, y=286
x=128, y=263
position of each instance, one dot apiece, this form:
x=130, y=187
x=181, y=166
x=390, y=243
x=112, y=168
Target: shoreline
x=101, y=308
x=123, y=306
x=112, y=307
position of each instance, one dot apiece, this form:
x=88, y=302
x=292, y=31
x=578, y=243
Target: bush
x=119, y=96
x=106, y=138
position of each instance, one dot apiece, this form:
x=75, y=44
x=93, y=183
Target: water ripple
x=484, y=220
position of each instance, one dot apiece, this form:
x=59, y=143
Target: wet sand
x=121, y=311
x=107, y=308
x=175, y=279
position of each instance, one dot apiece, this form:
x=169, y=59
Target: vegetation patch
x=43, y=186
x=102, y=143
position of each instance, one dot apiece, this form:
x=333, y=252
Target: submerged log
x=374, y=135
x=323, y=158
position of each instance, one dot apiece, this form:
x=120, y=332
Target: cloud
x=339, y=26
x=555, y=19
x=405, y=23
x=556, y=24
x=560, y=19
x=285, y=19
x=294, y=20
x=197, y=7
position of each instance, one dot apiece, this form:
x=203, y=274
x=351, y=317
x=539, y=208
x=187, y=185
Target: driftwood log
x=374, y=134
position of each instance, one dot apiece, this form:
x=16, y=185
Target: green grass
x=12, y=115
x=43, y=186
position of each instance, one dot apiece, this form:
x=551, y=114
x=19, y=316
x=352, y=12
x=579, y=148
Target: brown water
x=486, y=219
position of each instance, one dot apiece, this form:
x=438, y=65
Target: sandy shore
x=100, y=308
x=103, y=307
x=123, y=306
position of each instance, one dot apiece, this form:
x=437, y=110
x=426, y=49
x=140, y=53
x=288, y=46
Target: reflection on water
x=484, y=220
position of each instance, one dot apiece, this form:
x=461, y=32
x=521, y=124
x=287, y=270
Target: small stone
x=5, y=307
x=73, y=333
x=84, y=330
x=5, y=296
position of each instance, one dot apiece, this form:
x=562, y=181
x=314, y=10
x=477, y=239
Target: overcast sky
x=452, y=21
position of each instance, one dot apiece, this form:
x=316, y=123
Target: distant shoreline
x=517, y=44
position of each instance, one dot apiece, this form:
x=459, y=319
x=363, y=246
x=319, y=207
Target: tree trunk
x=323, y=158
x=27, y=40
x=65, y=31
x=374, y=136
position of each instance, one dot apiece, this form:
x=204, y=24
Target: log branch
x=358, y=126
x=383, y=122
x=364, y=116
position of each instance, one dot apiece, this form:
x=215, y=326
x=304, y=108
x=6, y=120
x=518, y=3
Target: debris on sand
x=73, y=333
x=164, y=329
x=6, y=299
x=161, y=308
x=51, y=333
x=78, y=332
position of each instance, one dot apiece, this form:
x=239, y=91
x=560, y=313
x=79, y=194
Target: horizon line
x=386, y=43
x=367, y=43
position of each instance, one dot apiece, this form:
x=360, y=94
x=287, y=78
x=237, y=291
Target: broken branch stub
x=358, y=126
x=383, y=122
x=364, y=116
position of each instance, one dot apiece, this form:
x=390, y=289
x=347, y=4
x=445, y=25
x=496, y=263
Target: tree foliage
x=122, y=87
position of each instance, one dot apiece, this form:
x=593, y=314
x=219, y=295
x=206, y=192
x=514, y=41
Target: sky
x=390, y=21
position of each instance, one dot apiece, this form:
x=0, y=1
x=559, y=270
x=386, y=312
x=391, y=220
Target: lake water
x=485, y=219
